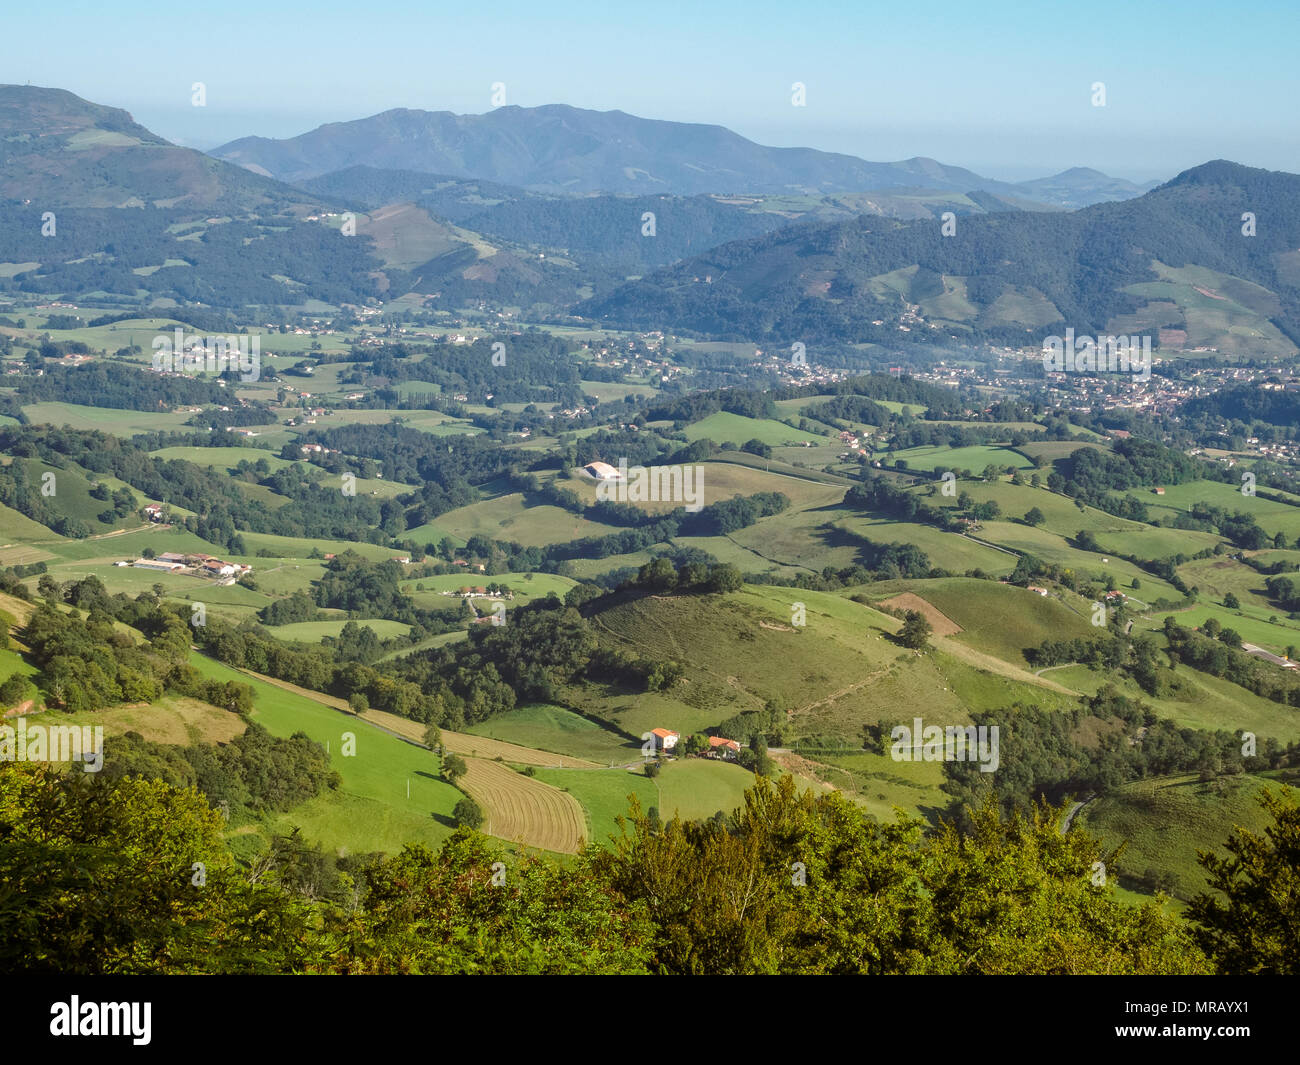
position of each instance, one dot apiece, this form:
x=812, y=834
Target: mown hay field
x=524, y=810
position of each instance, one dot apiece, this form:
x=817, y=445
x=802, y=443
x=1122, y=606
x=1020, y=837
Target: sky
x=1004, y=88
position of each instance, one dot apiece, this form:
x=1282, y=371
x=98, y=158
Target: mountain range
x=513, y=219
x=570, y=150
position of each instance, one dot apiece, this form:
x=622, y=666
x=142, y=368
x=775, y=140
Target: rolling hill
x=91, y=201
x=1173, y=263
x=610, y=231
x=58, y=150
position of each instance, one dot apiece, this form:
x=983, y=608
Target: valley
x=377, y=607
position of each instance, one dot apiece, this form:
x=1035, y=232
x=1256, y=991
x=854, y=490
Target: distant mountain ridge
x=561, y=149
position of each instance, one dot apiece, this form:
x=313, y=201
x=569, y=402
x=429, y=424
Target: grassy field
x=510, y=517
x=104, y=419
x=832, y=675
x=17, y=526
x=1203, y=702
x=604, y=795
x=225, y=458
x=441, y=640
x=586, y=569
x=723, y=480
x=70, y=496
x=998, y=619
x=1060, y=514
x=1164, y=822
x=950, y=550
x=300, y=547
x=1254, y=626
x=878, y=783
x=1151, y=542
x=692, y=788
x=373, y=811
x=933, y=456
x=524, y=810
x=725, y=427
x=314, y=631
x=1273, y=517
x=1050, y=450
x=233, y=601
x=1050, y=547
x=552, y=728
x=171, y=719
x=746, y=559
x=1214, y=578
x=425, y=591
x=116, y=546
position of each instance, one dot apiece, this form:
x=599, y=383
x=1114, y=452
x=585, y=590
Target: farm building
x=157, y=564
x=603, y=471
x=1267, y=656
x=723, y=748
x=663, y=739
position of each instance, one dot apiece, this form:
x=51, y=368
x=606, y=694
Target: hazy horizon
x=998, y=90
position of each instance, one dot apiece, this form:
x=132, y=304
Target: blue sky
x=1001, y=87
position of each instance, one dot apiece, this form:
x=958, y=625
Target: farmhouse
x=153, y=512
x=723, y=748
x=663, y=739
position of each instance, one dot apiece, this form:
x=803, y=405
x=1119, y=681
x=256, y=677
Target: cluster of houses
x=192, y=566
x=664, y=741
x=479, y=592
